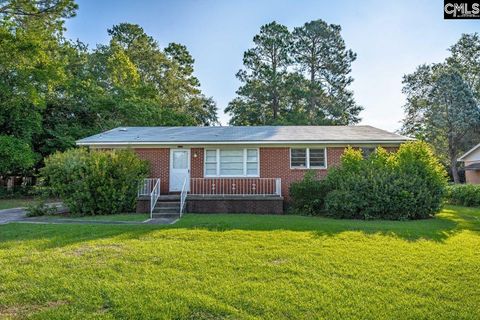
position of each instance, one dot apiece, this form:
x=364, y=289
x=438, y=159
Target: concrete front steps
x=167, y=206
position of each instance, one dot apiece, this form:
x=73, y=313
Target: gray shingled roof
x=238, y=134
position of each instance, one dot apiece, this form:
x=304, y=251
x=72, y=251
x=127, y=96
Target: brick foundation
x=259, y=205
x=143, y=205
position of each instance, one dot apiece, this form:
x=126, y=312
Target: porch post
x=278, y=186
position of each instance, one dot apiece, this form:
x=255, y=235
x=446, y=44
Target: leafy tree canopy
x=443, y=106
x=54, y=91
x=299, y=77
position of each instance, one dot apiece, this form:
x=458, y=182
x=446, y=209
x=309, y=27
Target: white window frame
x=218, y=175
x=308, y=158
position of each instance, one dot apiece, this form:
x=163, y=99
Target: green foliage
x=41, y=208
x=94, y=182
x=443, y=102
x=53, y=91
x=464, y=194
x=16, y=156
x=308, y=194
x=408, y=184
x=320, y=53
x=299, y=77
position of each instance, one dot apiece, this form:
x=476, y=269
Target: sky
x=391, y=38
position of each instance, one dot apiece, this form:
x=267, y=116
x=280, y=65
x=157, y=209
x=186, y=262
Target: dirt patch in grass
x=91, y=249
x=21, y=311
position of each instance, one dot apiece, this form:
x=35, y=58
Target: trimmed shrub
x=308, y=194
x=408, y=184
x=464, y=194
x=40, y=209
x=94, y=182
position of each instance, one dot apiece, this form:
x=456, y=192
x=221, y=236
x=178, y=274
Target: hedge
x=94, y=182
x=464, y=194
x=407, y=184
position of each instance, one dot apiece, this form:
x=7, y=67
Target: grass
x=245, y=267
x=16, y=203
x=124, y=217
x=21, y=202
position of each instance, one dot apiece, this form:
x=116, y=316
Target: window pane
x=299, y=158
x=252, y=155
x=231, y=162
x=211, y=167
x=317, y=157
x=367, y=151
x=231, y=172
x=252, y=168
x=211, y=172
x=211, y=156
x=180, y=159
x=231, y=155
x=231, y=168
x=231, y=165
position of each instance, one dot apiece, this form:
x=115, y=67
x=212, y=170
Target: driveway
x=20, y=215
x=14, y=214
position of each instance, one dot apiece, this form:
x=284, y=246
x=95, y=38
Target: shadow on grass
x=448, y=222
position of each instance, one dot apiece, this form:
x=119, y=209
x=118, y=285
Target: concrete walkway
x=19, y=215
x=14, y=214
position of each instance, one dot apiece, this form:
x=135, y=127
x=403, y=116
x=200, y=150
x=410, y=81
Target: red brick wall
x=472, y=177
x=275, y=163
x=159, y=159
x=196, y=165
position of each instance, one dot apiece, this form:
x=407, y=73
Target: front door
x=179, y=169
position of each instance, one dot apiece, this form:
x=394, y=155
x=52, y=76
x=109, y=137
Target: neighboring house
x=237, y=169
x=471, y=159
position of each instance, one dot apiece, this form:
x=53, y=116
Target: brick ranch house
x=233, y=169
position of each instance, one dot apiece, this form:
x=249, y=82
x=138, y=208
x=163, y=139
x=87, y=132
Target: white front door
x=179, y=169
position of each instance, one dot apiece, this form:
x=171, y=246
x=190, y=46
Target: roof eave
x=133, y=143
x=466, y=154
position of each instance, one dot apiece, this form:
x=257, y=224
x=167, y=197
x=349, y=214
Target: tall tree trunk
x=453, y=166
x=275, y=104
x=275, y=99
x=312, y=92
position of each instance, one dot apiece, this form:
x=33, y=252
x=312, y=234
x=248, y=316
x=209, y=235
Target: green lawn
x=15, y=202
x=245, y=267
x=125, y=217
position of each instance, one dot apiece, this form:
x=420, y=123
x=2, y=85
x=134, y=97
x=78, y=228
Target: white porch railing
x=145, y=186
x=183, y=196
x=150, y=187
x=236, y=186
x=154, y=195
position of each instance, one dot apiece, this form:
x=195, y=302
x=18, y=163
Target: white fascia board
x=462, y=158
x=297, y=142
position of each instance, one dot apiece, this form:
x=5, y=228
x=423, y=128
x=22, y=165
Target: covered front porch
x=211, y=195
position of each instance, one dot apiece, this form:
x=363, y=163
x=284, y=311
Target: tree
x=321, y=55
x=453, y=115
x=54, y=91
x=264, y=75
x=466, y=59
x=16, y=156
x=296, y=78
x=166, y=78
x=442, y=110
x=50, y=9
x=31, y=67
